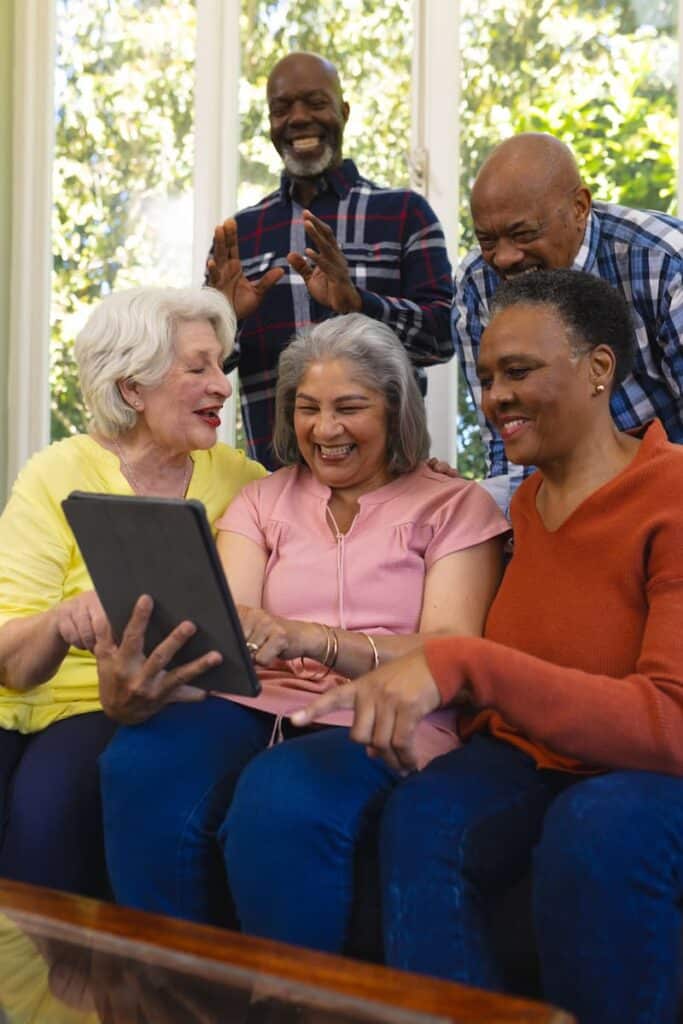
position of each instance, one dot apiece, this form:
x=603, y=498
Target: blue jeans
x=50, y=813
x=194, y=796
x=607, y=858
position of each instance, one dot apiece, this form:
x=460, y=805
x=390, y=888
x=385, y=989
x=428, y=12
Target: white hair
x=131, y=336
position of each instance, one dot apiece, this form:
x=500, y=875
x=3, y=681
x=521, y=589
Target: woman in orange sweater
x=572, y=703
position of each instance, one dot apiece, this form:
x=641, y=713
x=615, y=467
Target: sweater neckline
x=652, y=438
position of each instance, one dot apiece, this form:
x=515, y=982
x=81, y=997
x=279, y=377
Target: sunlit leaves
x=123, y=144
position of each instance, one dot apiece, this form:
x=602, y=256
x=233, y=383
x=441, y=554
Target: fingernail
x=298, y=717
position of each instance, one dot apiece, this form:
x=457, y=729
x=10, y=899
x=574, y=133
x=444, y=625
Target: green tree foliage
x=123, y=145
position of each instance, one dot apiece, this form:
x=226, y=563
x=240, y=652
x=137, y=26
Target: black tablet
x=163, y=547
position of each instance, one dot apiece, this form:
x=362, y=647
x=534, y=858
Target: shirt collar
x=588, y=250
x=339, y=180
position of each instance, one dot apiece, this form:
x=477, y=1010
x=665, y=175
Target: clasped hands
x=323, y=268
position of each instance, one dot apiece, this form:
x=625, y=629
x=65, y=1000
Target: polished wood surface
x=211, y=953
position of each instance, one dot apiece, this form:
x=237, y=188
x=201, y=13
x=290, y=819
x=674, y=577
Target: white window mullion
x=217, y=136
x=435, y=138
x=31, y=248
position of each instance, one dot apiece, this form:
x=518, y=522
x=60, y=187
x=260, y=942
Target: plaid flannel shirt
x=639, y=252
x=397, y=258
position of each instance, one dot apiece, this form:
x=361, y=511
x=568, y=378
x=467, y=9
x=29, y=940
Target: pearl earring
x=598, y=389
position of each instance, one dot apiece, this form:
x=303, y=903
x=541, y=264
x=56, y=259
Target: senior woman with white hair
x=150, y=363
x=339, y=561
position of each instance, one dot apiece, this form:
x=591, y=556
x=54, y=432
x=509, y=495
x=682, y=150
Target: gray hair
x=379, y=362
x=131, y=334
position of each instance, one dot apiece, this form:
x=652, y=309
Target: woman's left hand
x=266, y=635
x=388, y=706
x=269, y=637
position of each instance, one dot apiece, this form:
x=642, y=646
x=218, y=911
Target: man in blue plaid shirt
x=531, y=211
x=327, y=242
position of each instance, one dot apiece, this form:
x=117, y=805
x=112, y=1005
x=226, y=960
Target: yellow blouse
x=41, y=565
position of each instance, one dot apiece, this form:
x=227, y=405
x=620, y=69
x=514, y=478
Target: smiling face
x=529, y=207
x=182, y=413
x=520, y=232
x=307, y=114
x=536, y=388
x=341, y=428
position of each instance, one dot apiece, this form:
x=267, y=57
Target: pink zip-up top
x=370, y=579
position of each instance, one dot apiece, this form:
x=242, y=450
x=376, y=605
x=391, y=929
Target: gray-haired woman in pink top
x=340, y=561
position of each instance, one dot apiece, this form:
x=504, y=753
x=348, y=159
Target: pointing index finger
x=340, y=699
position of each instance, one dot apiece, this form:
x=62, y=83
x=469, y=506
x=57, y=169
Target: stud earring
x=598, y=389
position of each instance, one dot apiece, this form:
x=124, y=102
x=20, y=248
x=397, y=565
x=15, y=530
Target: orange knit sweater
x=581, y=664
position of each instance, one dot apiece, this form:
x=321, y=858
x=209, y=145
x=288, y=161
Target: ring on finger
x=252, y=647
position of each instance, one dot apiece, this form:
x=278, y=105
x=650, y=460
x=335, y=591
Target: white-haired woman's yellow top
x=41, y=565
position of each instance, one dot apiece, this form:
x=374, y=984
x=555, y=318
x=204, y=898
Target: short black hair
x=594, y=312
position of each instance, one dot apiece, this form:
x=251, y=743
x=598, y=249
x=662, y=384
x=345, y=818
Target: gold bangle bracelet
x=375, y=652
x=331, y=645
x=334, y=654
x=328, y=643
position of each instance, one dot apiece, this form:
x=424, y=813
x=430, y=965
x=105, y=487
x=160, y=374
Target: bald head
x=307, y=114
x=529, y=206
x=530, y=161
x=302, y=63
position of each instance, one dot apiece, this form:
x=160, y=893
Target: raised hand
x=133, y=687
x=325, y=270
x=388, y=706
x=224, y=270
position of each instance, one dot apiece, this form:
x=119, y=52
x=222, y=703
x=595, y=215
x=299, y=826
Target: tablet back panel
x=163, y=547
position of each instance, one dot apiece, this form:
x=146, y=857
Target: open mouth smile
x=510, y=428
x=305, y=144
x=334, y=452
x=210, y=416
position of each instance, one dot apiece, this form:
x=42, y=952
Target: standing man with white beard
x=327, y=241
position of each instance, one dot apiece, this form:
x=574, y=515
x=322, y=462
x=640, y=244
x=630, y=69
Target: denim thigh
x=453, y=838
x=166, y=787
x=52, y=813
x=608, y=887
x=300, y=838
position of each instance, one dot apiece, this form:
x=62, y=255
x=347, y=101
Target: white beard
x=297, y=167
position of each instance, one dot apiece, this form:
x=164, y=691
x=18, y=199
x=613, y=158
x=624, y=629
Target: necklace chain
x=133, y=480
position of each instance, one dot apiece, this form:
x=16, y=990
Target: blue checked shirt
x=397, y=258
x=640, y=253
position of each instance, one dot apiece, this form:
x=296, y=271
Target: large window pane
x=599, y=74
x=122, y=178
